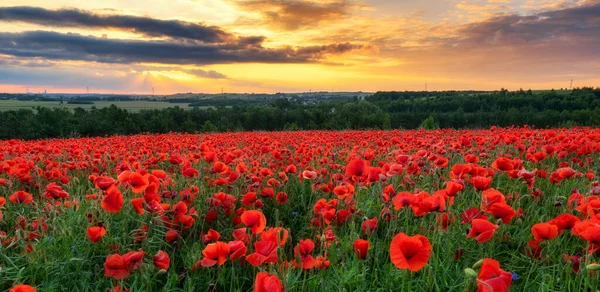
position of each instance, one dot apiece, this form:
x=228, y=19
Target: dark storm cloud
x=58, y=46
x=142, y=25
x=579, y=25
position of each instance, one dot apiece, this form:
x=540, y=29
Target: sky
x=267, y=46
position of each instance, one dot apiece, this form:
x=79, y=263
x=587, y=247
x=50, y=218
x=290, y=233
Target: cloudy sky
x=297, y=45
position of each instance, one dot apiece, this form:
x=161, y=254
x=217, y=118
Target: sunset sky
x=116, y=46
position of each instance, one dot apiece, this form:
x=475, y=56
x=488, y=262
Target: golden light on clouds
x=285, y=45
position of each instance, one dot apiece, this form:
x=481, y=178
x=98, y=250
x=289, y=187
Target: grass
x=65, y=260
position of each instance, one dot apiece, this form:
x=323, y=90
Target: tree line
x=382, y=110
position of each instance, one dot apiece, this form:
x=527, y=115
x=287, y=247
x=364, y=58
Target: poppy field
x=500, y=209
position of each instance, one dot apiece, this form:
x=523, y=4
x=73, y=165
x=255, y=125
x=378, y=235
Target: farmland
x=417, y=210
x=6, y=105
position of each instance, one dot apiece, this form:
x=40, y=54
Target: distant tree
x=188, y=126
x=208, y=127
x=387, y=122
x=429, y=124
x=291, y=127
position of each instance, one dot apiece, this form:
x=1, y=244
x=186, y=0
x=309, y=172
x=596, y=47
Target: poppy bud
x=519, y=221
x=470, y=273
x=323, y=238
x=593, y=267
x=557, y=203
x=478, y=264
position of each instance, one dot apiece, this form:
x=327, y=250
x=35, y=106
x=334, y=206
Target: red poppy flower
x=254, y=219
x=544, y=231
x=491, y=196
x=410, y=252
x=368, y=226
x=265, y=251
x=54, y=191
x=482, y=230
x=502, y=210
x=303, y=250
x=215, y=253
x=564, y=221
x=468, y=215
x=278, y=235
x=503, y=163
x=344, y=190
x=176, y=159
x=361, y=247
x=94, y=233
x=115, y=267
x=357, y=168
x=133, y=259
x=21, y=197
x=104, y=182
x=113, y=201
x=481, y=183
x=491, y=276
x=190, y=172
x=309, y=174
x=171, y=235
x=22, y=288
x=138, y=205
x=566, y=172
x=212, y=235
x=267, y=283
x=471, y=158
x=161, y=260
x=237, y=248
x=590, y=232
x=138, y=182
x=403, y=199
x=281, y=198
x=453, y=187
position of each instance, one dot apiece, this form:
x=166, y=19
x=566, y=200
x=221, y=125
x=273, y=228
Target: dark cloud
x=142, y=25
x=211, y=74
x=296, y=14
x=333, y=49
x=579, y=24
x=58, y=46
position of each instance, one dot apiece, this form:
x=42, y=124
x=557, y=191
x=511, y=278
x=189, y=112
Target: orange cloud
x=297, y=14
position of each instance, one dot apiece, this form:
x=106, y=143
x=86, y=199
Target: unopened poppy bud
x=593, y=267
x=499, y=221
x=470, y=273
x=519, y=221
x=478, y=264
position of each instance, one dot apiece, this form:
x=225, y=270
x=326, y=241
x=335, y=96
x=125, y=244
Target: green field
x=130, y=105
